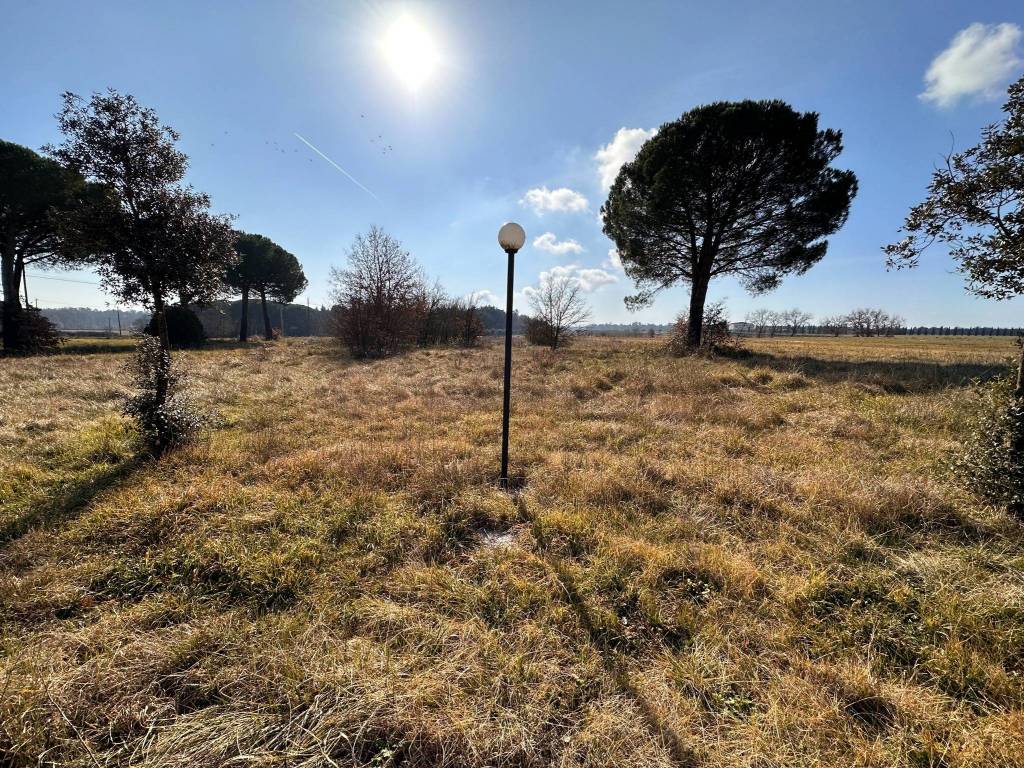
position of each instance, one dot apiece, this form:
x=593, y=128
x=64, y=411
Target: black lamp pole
x=503, y=480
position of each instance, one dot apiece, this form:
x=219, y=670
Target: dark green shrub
x=991, y=463
x=184, y=328
x=164, y=415
x=539, y=332
x=38, y=336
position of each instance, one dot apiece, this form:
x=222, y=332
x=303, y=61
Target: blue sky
x=524, y=96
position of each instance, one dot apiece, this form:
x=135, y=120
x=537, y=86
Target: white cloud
x=592, y=278
x=589, y=279
x=621, y=149
x=548, y=242
x=483, y=297
x=542, y=199
x=613, y=261
x=979, y=60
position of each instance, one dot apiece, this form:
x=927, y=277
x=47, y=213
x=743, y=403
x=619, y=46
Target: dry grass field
x=735, y=562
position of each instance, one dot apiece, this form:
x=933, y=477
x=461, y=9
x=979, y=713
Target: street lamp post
x=511, y=238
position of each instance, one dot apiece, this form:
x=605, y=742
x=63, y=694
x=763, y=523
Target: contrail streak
x=347, y=174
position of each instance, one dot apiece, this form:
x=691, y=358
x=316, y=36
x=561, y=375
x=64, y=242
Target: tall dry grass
x=749, y=562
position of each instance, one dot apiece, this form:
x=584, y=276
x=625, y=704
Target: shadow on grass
x=129, y=344
x=67, y=501
x=113, y=347
x=892, y=376
x=611, y=659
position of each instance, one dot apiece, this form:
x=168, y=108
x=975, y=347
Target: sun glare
x=411, y=52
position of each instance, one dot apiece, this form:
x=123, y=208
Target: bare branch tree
x=873, y=322
x=559, y=309
x=378, y=297
x=835, y=324
x=795, y=319
x=760, y=319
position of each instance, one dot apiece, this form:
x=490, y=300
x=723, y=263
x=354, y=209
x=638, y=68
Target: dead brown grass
x=749, y=562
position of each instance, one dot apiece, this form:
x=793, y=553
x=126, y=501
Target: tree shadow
x=66, y=502
x=111, y=348
x=611, y=659
x=126, y=344
x=891, y=376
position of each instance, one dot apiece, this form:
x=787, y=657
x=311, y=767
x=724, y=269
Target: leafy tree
x=989, y=463
x=974, y=206
x=743, y=188
x=184, y=328
x=558, y=309
x=268, y=269
x=284, y=281
x=147, y=235
x=253, y=262
x=34, y=190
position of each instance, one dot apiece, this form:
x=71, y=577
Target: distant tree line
x=626, y=329
x=790, y=322
x=89, y=319
x=493, y=320
x=864, y=322
x=222, y=319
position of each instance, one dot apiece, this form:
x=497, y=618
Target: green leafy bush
x=164, y=415
x=991, y=463
x=38, y=335
x=184, y=328
x=35, y=334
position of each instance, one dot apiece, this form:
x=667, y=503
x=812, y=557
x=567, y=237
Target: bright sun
x=411, y=52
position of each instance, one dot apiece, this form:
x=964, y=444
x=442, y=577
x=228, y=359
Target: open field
x=734, y=562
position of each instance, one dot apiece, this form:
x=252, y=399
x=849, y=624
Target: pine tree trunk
x=243, y=329
x=268, y=332
x=12, y=303
x=695, y=326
